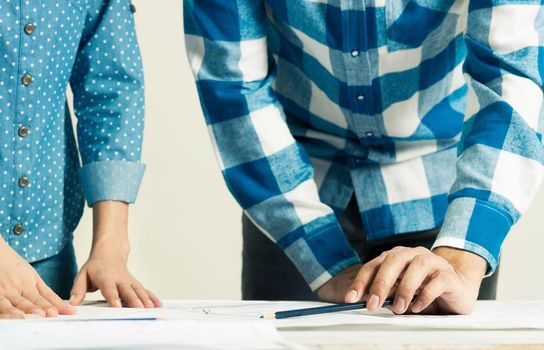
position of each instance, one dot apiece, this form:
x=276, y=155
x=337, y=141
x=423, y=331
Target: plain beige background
x=185, y=228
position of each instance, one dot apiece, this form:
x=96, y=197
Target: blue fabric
x=429, y=111
x=91, y=46
x=59, y=271
x=113, y=180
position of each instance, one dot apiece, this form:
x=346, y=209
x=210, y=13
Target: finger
x=7, y=310
x=129, y=296
x=62, y=307
x=25, y=305
x=419, y=269
x=110, y=293
x=357, y=290
x=37, y=299
x=156, y=301
x=80, y=288
x=387, y=275
x=143, y=296
x=434, y=289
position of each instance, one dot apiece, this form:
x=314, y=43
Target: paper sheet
x=139, y=335
x=205, y=325
x=487, y=315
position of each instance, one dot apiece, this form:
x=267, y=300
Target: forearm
x=110, y=229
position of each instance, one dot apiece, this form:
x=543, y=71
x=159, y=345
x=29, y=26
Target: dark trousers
x=268, y=274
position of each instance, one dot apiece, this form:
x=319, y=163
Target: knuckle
x=393, y=256
x=405, y=288
x=397, y=249
x=422, y=250
x=422, y=260
x=379, y=286
x=365, y=272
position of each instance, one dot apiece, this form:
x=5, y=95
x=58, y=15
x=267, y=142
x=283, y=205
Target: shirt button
x=23, y=131
x=361, y=97
x=30, y=28
x=132, y=8
x=18, y=229
x=27, y=80
x=369, y=134
x=24, y=182
x=355, y=53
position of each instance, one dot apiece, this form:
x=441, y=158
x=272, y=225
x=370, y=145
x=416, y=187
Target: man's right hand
x=334, y=291
x=22, y=291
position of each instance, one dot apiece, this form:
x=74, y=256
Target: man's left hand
x=443, y=281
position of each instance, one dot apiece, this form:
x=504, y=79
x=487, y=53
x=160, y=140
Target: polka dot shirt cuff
x=111, y=180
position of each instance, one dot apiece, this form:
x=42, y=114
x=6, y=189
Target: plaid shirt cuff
x=322, y=255
x=476, y=226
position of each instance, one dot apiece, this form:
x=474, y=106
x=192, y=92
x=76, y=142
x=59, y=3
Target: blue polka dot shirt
x=45, y=174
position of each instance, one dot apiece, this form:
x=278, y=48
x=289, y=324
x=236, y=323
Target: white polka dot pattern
x=44, y=46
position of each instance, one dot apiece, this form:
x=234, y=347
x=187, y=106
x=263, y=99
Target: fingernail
x=117, y=303
x=353, y=296
x=373, y=302
x=418, y=305
x=399, y=304
x=51, y=311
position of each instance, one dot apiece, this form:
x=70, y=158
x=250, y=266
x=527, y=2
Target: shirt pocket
x=416, y=23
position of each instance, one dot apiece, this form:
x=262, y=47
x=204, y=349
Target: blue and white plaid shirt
x=428, y=111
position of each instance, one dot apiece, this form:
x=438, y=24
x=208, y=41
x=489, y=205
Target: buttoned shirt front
x=45, y=46
x=429, y=112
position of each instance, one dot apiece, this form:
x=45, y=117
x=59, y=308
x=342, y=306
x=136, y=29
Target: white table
x=356, y=338
x=494, y=325
x=377, y=337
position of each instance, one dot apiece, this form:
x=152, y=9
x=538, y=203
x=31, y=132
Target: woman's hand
x=106, y=270
x=22, y=291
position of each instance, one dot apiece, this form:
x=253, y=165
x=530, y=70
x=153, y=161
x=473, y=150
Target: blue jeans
x=59, y=271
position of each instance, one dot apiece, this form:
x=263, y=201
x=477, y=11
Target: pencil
x=325, y=309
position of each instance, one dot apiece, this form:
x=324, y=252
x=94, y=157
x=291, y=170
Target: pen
x=325, y=309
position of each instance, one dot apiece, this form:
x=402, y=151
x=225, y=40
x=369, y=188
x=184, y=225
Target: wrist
x=469, y=266
x=114, y=249
x=110, y=231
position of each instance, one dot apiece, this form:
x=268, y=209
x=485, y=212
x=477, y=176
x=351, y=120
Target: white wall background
x=185, y=228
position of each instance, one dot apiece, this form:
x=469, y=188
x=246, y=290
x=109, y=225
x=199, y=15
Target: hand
x=446, y=281
x=334, y=291
x=110, y=275
x=106, y=270
x=22, y=291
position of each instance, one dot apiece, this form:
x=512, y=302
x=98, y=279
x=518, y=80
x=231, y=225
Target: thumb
x=79, y=290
